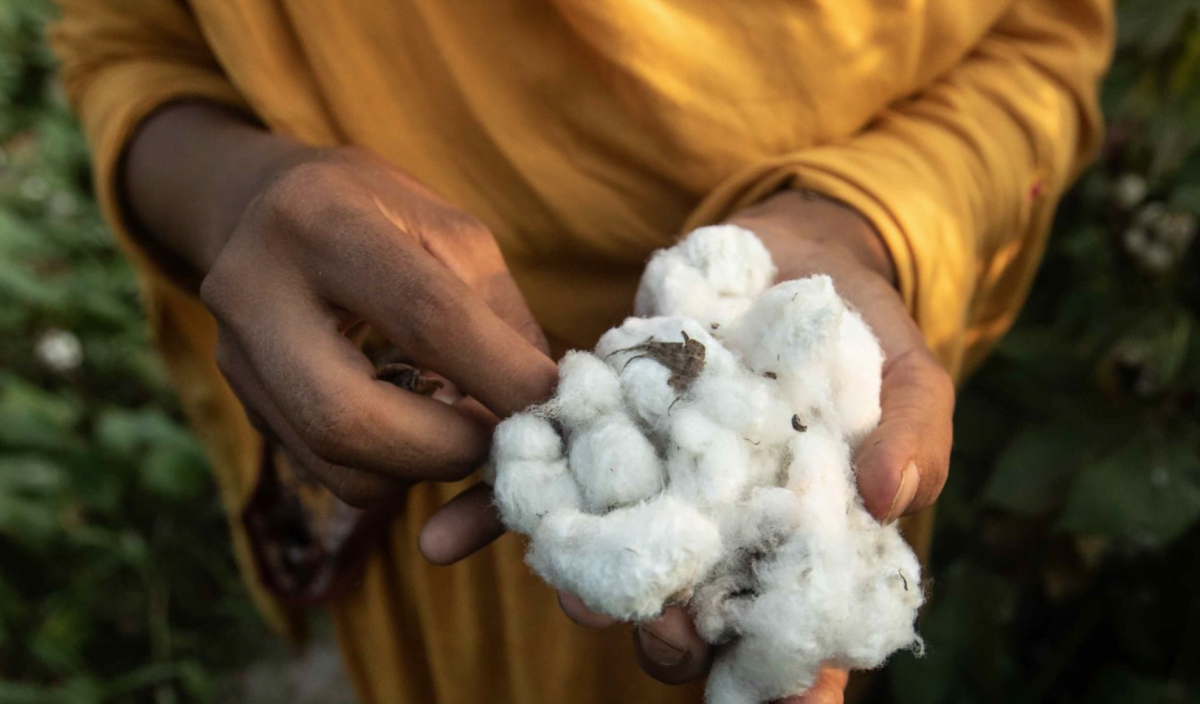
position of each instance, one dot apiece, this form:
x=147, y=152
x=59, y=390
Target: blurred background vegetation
x=1066, y=565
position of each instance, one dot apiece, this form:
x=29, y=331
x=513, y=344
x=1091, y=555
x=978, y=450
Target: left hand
x=901, y=466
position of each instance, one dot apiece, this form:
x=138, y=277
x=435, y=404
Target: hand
x=341, y=236
x=294, y=245
x=901, y=466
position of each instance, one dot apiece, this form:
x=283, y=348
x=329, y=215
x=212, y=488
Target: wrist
x=261, y=165
x=803, y=229
x=191, y=171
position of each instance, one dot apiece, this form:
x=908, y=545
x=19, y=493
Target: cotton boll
x=671, y=286
x=646, y=381
x=712, y=275
x=708, y=464
x=746, y=403
x=732, y=259
x=844, y=601
x=819, y=475
x=648, y=394
x=665, y=284
x=789, y=326
x=587, y=389
x=890, y=576
x=806, y=606
x=753, y=529
x=767, y=464
x=629, y=562
x=768, y=515
x=614, y=464
x=777, y=656
x=711, y=608
x=717, y=463
x=525, y=436
x=527, y=490
x=753, y=671
x=856, y=372
x=530, y=475
x=717, y=262
x=791, y=332
x=727, y=683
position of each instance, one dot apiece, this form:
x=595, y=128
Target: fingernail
x=904, y=493
x=660, y=650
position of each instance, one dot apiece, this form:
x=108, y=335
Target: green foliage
x=1066, y=557
x=116, y=582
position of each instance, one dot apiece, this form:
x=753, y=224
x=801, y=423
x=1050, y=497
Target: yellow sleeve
x=120, y=61
x=962, y=179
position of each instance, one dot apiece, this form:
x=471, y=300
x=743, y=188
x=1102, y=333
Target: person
x=477, y=185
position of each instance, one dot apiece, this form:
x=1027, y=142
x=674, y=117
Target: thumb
x=902, y=464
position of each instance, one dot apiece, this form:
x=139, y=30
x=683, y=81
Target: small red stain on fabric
x=1036, y=189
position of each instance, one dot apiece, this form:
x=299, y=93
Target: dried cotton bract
x=704, y=449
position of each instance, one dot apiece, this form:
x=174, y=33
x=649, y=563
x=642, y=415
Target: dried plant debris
x=684, y=359
x=409, y=378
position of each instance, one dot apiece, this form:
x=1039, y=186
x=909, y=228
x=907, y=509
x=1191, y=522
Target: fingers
x=430, y=314
x=669, y=649
x=465, y=524
x=902, y=464
x=830, y=688
x=578, y=612
x=500, y=291
x=324, y=388
x=360, y=489
x=464, y=246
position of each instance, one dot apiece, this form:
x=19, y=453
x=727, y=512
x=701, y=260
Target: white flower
x=59, y=350
x=1159, y=238
x=1129, y=190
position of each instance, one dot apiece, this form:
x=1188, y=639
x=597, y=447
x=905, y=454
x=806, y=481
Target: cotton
x=709, y=442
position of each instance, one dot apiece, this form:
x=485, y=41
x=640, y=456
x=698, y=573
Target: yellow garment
x=587, y=133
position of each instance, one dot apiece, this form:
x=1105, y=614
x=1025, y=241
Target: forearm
x=189, y=174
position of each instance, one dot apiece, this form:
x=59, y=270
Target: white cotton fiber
x=587, y=390
x=789, y=326
x=708, y=464
x=648, y=394
x=614, y=464
x=527, y=490
x=855, y=369
x=531, y=477
x=711, y=276
x=526, y=437
x=627, y=563
x=704, y=449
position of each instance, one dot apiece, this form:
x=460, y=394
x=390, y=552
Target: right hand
x=338, y=236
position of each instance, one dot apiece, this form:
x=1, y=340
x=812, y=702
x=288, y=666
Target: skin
x=288, y=245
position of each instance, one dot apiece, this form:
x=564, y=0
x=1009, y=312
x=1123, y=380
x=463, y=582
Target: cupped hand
x=336, y=237
x=901, y=466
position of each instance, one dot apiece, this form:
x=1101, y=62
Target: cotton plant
x=701, y=454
